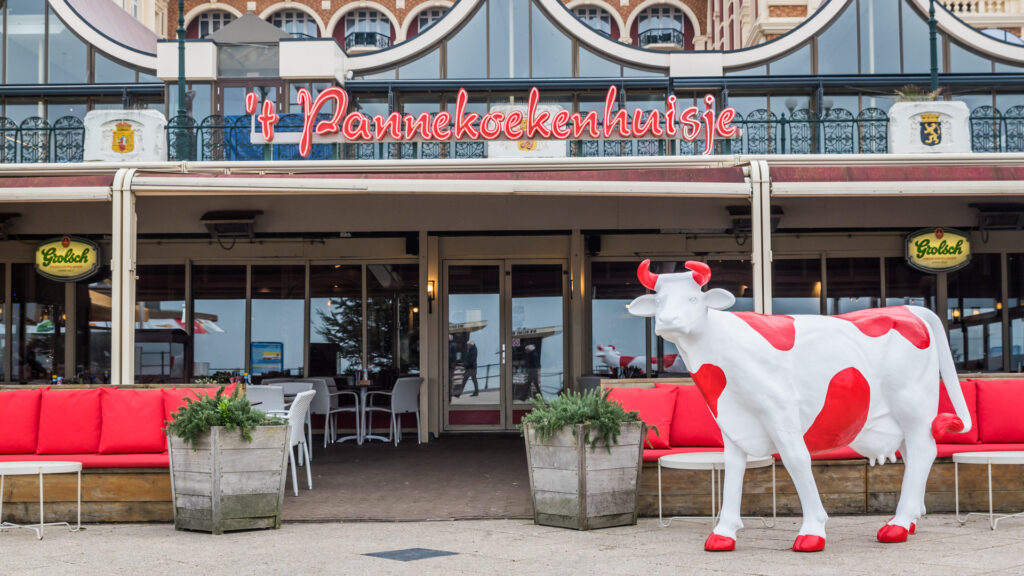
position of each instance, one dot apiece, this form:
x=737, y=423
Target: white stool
x=40, y=468
x=715, y=462
x=988, y=458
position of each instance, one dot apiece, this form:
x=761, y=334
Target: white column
x=761, y=220
x=122, y=270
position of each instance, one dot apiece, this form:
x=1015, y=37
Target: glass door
x=505, y=334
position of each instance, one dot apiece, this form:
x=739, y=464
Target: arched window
x=596, y=18
x=367, y=29
x=664, y=27
x=428, y=17
x=296, y=23
x=208, y=22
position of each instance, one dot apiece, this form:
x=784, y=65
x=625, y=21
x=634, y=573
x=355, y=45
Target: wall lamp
x=431, y=294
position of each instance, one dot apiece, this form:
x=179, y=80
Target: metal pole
x=182, y=148
x=932, y=38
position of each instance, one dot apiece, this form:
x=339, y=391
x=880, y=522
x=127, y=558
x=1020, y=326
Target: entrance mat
x=410, y=554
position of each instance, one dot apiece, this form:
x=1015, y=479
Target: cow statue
x=617, y=361
x=801, y=385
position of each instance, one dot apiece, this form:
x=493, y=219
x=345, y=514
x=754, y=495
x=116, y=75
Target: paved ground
x=458, y=477
x=488, y=547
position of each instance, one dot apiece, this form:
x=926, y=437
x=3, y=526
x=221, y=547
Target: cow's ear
x=719, y=299
x=645, y=305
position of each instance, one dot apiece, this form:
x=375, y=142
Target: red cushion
x=69, y=422
x=652, y=455
x=945, y=406
x=655, y=406
x=174, y=398
x=19, y=421
x=133, y=422
x=96, y=460
x=947, y=450
x=999, y=411
x=692, y=422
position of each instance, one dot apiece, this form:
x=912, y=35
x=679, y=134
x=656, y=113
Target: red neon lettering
x=311, y=110
x=670, y=116
x=464, y=122
x=535, y=124
x=617, y=120
x=251, y=102
x=690, y=125
x=390, y=126
x=558, y=129
x=352, y=132
x=653, y=124
x=513, y=125
x=420, y=124
x=724, y=127
x=440, y=128
x=268, y=119
x=589, y=122
x=490, y=125
x=709, y=124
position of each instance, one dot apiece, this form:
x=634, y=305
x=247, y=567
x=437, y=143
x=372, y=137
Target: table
x=715, y=462
x=364, y=387
x=987, y=458
x=40, y=468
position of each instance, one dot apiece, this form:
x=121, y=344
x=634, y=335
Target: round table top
x=33, y=468
x=707, y=461
x=989, y=457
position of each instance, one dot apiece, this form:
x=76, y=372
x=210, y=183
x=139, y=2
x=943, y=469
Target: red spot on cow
x=877, y=322
x=779, y=331
x=711, y=381
x=844, y=412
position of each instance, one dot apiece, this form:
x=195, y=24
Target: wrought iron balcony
x=662, y=36
x=366, y=41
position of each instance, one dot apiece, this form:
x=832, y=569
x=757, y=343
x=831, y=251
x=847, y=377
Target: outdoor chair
x=327, y=404
x=297, y=416
x=405, y=399
x=291, y=387
x=270, y=398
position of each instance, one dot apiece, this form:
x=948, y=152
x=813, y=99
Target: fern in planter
x=233, y=412
x=591, y=408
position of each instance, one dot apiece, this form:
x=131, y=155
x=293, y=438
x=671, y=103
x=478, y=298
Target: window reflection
x=92, y=338
x=853, y=284
x=537, y=334
x=25, y=34
x=975, y=322
x=465, y=58
x=796, y=286
x=219, y=293
x=1015, y=301
x=335, y=320
x=3, y=328
x=37, y=329
x=392, y=321
x=67, y=54
x=879, y=37
x=161, y=322
x=277, y=333
x=908, y=286
x=618, y=336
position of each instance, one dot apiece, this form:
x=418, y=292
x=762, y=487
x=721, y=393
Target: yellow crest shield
x=124, y=138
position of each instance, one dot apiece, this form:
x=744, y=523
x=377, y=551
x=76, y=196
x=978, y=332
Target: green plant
x=591, y=408
x=206, y=380
x=221, y=377
x=911, y=93
x=200, y=414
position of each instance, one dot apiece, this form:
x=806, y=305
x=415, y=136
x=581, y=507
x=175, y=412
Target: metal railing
x=35, y=140
x=366, y=40
x=661, y=36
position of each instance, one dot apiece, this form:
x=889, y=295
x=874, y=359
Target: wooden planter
x=229, y=483
x=576, y=486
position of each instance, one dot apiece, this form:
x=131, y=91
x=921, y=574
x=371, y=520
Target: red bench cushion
x=69, y=422
x=19, y=421
x=174, y=398
x=945, y=406
x=133, y=422
x=655, y=406
x=96, y=460
x=999, y=411
x=692, y=422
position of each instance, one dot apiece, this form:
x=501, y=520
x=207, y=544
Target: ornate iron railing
x=661, y=36
x=35, y=140
x=366, y=40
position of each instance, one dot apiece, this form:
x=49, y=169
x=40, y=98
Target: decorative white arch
x=277, y=7
x=623, y=31
x=399, y=32
x=674, y=3
x=404, y=30
x=211, y=7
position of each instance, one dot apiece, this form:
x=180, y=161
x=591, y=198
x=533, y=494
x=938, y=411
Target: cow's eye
x=693, y=299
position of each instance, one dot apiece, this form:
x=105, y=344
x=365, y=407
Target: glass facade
x=277, y=330
x=37, y=326
x=219, y=299
x=162, y=330
x=974, y=314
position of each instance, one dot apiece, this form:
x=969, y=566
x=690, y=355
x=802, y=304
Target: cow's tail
x=961, y=421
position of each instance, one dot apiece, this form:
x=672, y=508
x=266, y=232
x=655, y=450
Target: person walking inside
x=533, y=369
x=469, y=365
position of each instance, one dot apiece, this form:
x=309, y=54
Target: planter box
x=229, y=483
x=575, y=486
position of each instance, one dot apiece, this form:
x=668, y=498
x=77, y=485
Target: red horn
x=645, y=276
x=701, y=272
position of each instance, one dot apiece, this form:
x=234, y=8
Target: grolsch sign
x=938, y=250
x=67, y=259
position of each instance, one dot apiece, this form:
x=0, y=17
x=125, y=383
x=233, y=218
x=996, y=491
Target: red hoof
x=913, y=527
x=809, y=543
x=892, y=533
x=716, y=543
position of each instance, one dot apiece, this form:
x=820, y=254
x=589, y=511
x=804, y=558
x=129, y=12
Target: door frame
x=507, y=406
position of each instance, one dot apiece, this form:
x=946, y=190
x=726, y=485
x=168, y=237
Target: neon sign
x=689, y=123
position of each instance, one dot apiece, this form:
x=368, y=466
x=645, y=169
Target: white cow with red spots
x=799, y=385
x=615, y=360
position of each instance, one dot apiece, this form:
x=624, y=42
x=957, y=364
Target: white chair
x=405, y=399
x=297, y=415
x=291, y=388
x=326, y=404
x=270, y=398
